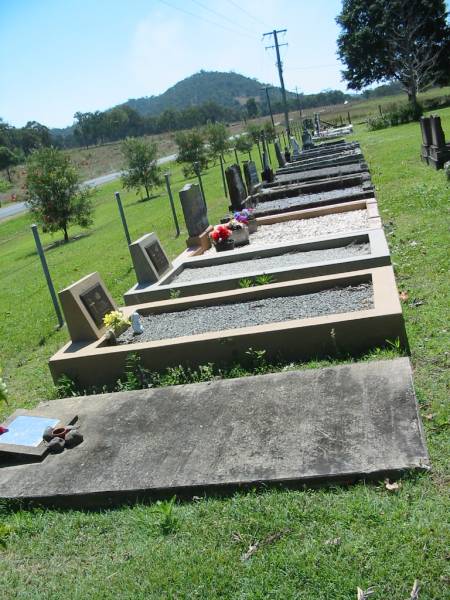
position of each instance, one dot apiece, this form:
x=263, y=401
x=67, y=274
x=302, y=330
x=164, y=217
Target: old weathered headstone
x=236, y=187
x=267, y=173
x=84, y=305
x=280, y=157
x=307, y=142
x=295, y=149
x=194, y=209
x=437, y=133
x=251, y=175
x=149, y=259
x=425, y=128
x=438, y=151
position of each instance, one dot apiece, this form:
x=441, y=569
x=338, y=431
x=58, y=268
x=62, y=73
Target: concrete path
x=318, y=425
x=17, y=208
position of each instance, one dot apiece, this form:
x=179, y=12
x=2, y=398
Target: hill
x=226, y=89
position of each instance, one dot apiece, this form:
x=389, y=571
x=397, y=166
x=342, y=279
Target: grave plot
x=323, y=150
x=253, y=265
x=344, y=158
x=294, y=176
x=353, y=328
x=362, y=421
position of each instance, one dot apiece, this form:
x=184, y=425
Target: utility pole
x=275, y=33
x=298, y=104
x=270, y=107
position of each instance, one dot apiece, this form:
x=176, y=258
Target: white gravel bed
x=257, y=264
x=204, y=319
x=298, y=229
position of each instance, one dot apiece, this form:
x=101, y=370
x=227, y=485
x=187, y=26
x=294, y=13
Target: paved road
x=19, y=207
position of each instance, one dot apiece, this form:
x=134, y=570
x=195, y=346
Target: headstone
x=287, y=155
x=267, y=173
x=236, y=187
x=437, y=133
x=307, y=142
x=251, y=175
x=194, y=209
x=280, y=157
x=295, y=149
x=84, y=304
x=425, y=127
x=149, y=259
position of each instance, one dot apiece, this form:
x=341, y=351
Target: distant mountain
x=226, y=89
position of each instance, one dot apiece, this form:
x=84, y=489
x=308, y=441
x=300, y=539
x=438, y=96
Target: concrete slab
x=294, y=176
x=300, y=427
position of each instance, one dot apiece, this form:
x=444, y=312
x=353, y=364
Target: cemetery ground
x=310, y=544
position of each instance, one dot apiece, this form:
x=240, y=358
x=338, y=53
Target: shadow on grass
x=59, y=243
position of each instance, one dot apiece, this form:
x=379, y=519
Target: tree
x=269, y=131
x=252, y=108
x=142, y=170
x=191, y=151
x=8, y=159
x=243, y=143
x=217, y=136
x=54, y=192
x=401, y=40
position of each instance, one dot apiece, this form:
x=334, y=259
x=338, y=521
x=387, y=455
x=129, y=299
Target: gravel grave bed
x=265, y=206
x=205, y=319
x=325, y=172
x=257, y=265
x=298, y=229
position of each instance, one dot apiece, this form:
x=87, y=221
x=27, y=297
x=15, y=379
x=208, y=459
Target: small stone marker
x=84, y=305
x=280, y=157
x=295, y=149
x=149, y=259
x=236, y=187
x=194, y=209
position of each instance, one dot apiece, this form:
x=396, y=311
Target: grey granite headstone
x=437, y=133
x=236, y=187
x=194, y=209
x=251, y=175
x=149, y=259
x=280, y=157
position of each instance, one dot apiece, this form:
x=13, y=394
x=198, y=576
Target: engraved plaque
x=97, y=303
x=157, y=257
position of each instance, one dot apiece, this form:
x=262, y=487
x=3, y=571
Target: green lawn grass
x=332, y=540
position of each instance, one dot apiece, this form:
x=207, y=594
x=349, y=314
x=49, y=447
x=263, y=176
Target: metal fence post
x=48, y=278
x=172, y=205
x=122, y=216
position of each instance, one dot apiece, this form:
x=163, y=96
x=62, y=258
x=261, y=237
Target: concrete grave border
x=97, y=364
x=378, y=257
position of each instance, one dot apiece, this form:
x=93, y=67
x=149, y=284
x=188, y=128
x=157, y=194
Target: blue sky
x=61, y=56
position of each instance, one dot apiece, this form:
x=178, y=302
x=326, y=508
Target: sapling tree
x=217, y=138
x=54, y=194
x=243, y=143
x=141, y=164
x=191, y=151
x=8, y=159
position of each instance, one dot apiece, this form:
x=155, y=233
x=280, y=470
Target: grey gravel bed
x=323, y=173
x=257, y=264
x=252, y=312
x=299, y=229
x=265, y=206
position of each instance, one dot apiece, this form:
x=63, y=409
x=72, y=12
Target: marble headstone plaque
x=97, y=303
x=157, y=256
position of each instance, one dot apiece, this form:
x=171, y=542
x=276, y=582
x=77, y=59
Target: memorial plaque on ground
x=97, y=303
x=194, y=209
x=150, y=261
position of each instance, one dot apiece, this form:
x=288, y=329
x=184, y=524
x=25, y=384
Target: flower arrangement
x=219, y=234
x=116, y=320
x=244, y=216
x=220, y=237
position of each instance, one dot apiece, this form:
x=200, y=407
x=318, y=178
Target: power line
x=235, y=31
x=258, y=20
x=215, y=12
